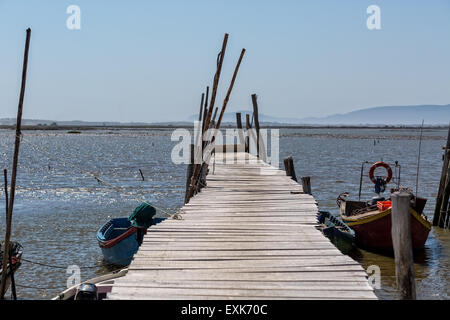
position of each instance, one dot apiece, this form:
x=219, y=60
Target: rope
x=65, y=267
x=96, y=177
x=36, y=288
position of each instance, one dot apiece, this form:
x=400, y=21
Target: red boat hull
x=375, y=231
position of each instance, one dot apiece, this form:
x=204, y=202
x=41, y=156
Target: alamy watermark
x=73, y=22
x=74, y=273
x=374, y=20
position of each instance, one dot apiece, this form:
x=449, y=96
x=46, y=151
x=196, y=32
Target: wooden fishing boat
x=372, y=224
x=341, y=235
x=120, y=238
x=92, y=289
x=371, y=220
x=16, y=251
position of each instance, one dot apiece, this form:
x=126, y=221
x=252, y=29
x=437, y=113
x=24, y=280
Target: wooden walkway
x=250, y=234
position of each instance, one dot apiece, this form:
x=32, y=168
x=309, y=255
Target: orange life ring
x=380, y=164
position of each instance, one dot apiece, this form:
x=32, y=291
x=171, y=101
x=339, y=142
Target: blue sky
x=150, y=60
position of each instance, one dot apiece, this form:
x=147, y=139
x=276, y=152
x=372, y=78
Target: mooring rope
x=96, y=177
x=65, y=267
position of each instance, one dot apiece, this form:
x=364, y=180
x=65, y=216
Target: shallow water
x=59, y=206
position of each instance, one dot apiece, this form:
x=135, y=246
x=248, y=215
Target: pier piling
x=306, y=183
x=401, y=240
x=289, y=167
x=437, y=209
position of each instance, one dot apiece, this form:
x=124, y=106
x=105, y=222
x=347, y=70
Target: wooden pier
x=249, y=234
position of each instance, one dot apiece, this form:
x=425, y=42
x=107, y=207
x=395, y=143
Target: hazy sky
x=150, y=60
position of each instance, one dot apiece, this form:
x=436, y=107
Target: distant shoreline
x=184, y=126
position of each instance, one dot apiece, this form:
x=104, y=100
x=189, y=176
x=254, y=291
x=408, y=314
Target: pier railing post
x=306, y=184
x=289, y=167
x=256, y=117
x=402, y=243
x=247, y=136
x=189, y=172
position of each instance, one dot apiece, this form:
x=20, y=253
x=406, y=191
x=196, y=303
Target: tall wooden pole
x=256, y=117
x=401, y=240
x=15, y=161
x=230, y=88
x=437, y=209
x=216, y=81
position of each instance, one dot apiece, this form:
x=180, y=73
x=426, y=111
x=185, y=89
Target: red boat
x=371, y=220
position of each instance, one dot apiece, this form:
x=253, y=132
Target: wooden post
x=401, y=240
x=189, y=172
x=142, y=175
x=205, y=110
x=445, y=198
x=306, y=184
x=289, y=167
x=15, y=161
x=247, y=127
x=255, y=116
x=201, y=108
x=239, y=127
x=437, y=209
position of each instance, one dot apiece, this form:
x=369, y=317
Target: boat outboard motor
x=87, y=291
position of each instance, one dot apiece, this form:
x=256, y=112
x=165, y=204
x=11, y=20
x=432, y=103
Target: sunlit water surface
x=59, y=204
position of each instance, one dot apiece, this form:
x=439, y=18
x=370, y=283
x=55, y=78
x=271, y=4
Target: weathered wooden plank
x=183, y=293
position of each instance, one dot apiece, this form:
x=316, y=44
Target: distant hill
x=406, y=115
x=390, y=115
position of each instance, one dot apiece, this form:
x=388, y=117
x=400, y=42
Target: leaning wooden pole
x=216, y=81
x=402, y=243
x=437, y=209
x=256, y=117
x=230, y=88
x=15, y=161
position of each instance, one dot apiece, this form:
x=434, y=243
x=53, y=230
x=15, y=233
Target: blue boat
x=120, y=238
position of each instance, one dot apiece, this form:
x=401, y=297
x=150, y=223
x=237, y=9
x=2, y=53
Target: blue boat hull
x=119, y=241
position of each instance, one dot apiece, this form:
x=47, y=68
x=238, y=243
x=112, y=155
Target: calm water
x=59, y=207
